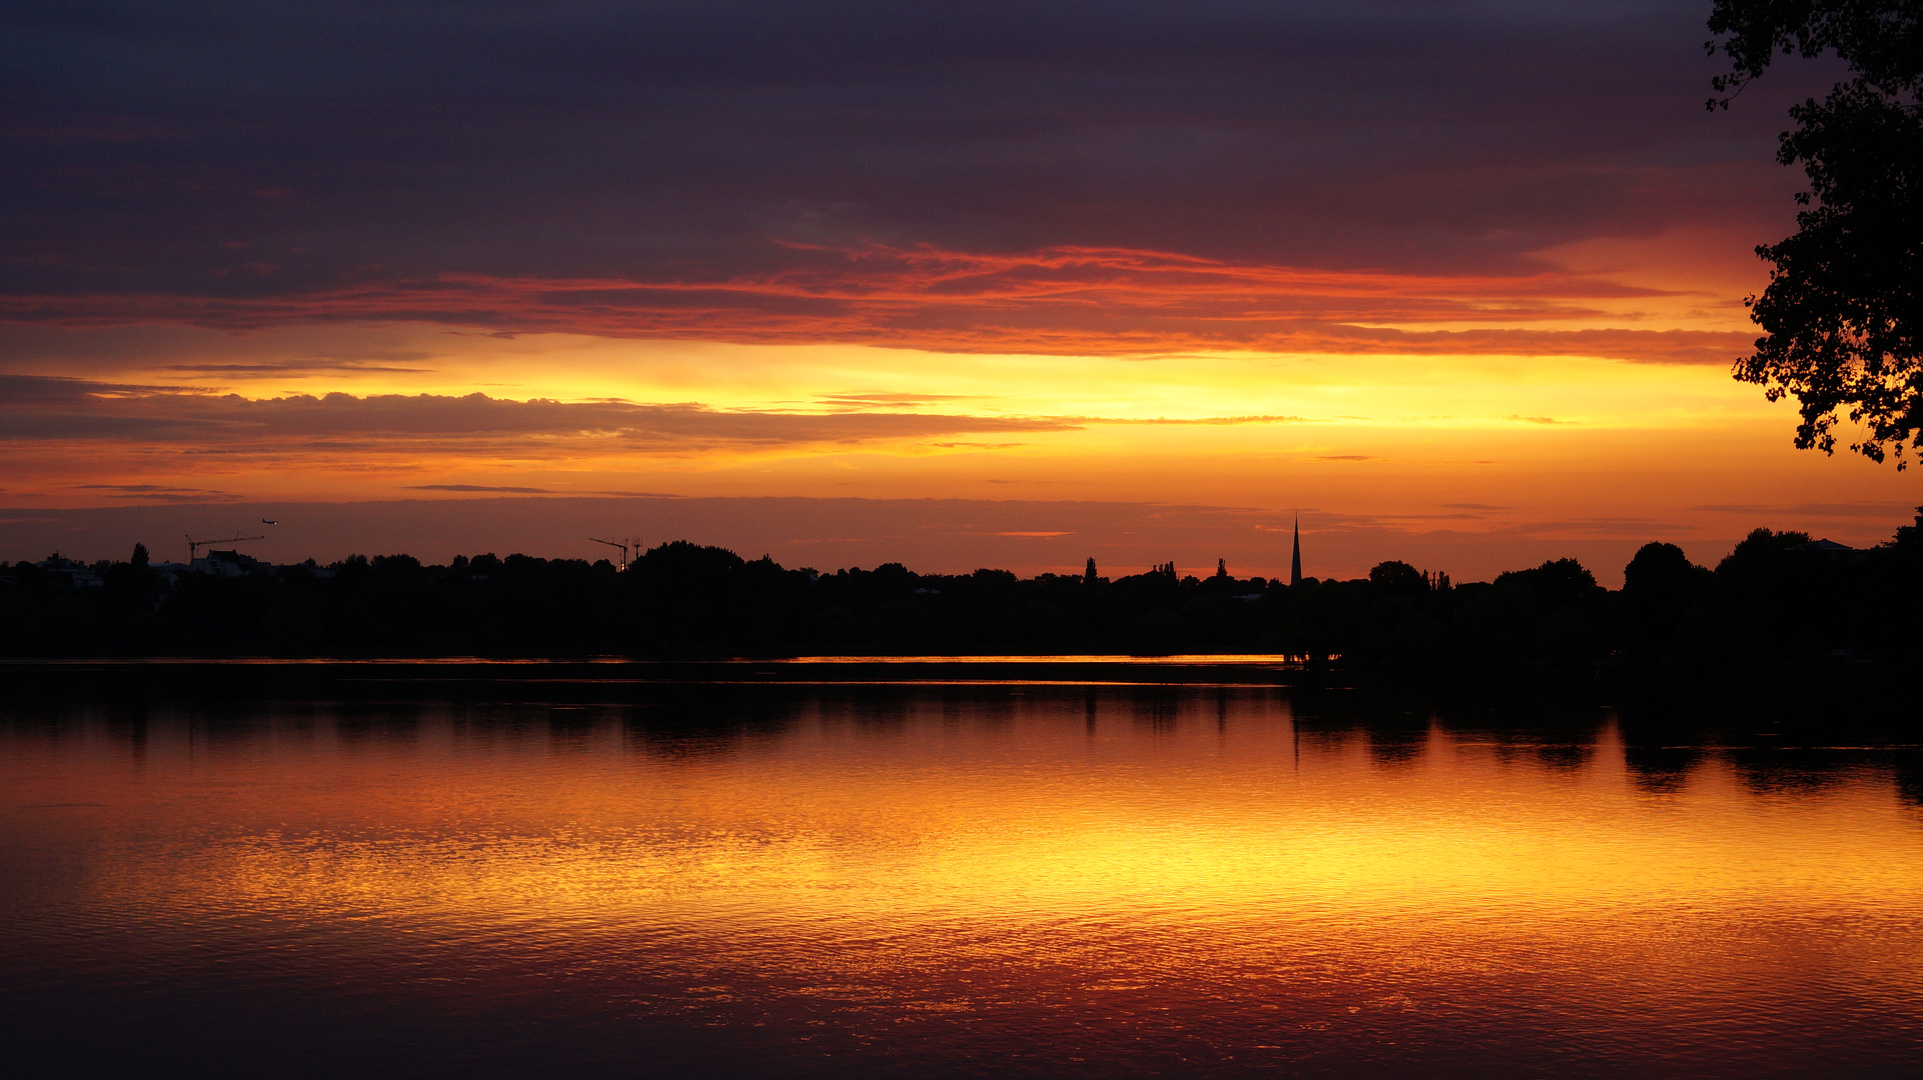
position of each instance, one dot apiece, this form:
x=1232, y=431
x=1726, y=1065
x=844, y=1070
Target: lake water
x=915, y=880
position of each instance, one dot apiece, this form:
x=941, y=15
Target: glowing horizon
x=1504, y=308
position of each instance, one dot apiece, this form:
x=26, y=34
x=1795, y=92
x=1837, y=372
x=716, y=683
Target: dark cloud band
x=1062, y=301
x=730, y=169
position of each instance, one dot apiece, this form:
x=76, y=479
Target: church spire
x=1295, y=564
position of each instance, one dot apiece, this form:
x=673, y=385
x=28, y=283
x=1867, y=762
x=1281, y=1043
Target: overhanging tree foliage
x=1844, y=305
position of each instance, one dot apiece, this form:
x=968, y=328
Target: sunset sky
x=953, y=284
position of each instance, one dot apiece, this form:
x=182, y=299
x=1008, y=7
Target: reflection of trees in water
x=1547, y=727
x=1156, y=707
x=1532, y=749
x=1542, y=724
x=687, y=722
x=1393, y=719
x=1909, y=776
x=1663, y=746
x=1565, y=757
x=570, y=725
x=1396, y=718
x=1397, y=742
x=1661, y=770
x=375, y=723
x=889, y=713
x=1666, y=741
x=1803, y=771
x=1318, y=708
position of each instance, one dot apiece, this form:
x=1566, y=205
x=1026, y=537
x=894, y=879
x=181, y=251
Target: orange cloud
x=76, y=412
x=39, y=408
x=1062, y=301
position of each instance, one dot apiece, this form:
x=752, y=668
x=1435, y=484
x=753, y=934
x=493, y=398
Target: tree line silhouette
x=1779, y=603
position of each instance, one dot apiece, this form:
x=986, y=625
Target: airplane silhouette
x=265, y=521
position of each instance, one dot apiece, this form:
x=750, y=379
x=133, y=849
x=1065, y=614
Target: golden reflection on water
x=1091, y=877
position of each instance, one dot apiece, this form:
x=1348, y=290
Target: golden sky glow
x=1572, y=447
x=1471, y=315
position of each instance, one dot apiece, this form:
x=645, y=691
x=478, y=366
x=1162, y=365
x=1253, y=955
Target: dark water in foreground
x=943, y=880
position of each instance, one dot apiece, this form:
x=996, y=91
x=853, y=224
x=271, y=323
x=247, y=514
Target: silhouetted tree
x=1760, y=558
x=1909, y=538
x=1843, y=312
x=1398, y=577
x=1661, y=575
x=1659, y=585
x=1557, y=583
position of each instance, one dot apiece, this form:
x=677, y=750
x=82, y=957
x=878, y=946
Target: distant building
x=1833, y=549
x=1295, y=562
x=171, y=572
x=69, y=574
x=227, y=564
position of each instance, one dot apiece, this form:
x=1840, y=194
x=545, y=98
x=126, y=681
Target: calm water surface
x=897, y=881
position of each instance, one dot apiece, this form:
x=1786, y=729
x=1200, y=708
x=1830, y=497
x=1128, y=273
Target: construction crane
x=623, y=545
x=194, y=546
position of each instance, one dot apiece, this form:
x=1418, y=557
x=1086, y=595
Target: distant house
x=227, y=564
x=1833, y=549
x=69, y=574
x=171, y=572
